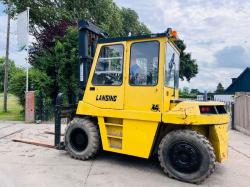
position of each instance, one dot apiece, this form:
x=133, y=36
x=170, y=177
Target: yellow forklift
x=130, y=105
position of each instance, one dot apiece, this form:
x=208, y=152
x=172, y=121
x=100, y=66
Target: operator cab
x=134, y=73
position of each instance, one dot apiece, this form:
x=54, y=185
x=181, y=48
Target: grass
x=14, y=109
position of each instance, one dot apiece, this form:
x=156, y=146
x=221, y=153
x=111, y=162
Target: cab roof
x=121, y=39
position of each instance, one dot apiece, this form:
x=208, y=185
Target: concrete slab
x=29, y=165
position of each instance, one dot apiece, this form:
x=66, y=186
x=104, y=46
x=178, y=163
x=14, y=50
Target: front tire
x=82, y=139
x=187, y=156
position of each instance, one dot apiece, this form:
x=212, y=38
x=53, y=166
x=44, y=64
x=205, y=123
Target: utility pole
x=6, y=67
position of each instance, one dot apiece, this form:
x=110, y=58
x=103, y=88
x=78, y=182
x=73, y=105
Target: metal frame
x=87, y=30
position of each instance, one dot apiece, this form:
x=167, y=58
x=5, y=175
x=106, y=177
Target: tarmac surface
x=25, y=165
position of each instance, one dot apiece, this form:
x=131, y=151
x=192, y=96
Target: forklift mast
x=88, y=36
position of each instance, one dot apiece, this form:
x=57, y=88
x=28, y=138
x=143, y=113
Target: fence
x=242, y=112
x=228, y=103
x=44, y=108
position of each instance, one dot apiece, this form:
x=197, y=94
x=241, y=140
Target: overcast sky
x=18, y=57
x=215, y=32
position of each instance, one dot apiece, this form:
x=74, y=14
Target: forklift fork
x=58, y=144
x=62, y=111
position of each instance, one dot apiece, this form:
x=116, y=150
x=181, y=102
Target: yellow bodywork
x=129, y=126
x=218, y=136
x=188, y=113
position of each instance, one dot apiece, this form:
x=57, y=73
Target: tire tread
x=199, y=137
x=93, y=131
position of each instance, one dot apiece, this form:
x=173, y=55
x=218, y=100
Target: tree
x=60, y=64
x=220, y=88
x=131, y=24
x=105, y=14
x=184, y=93
x=185, y=90
x=188, y=66
x=55, y=53
x=12, y=69
x=37, y=81
x=46, y=39
x=46, y=14
x=195, y=91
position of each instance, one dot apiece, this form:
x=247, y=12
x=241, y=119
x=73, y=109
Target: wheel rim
x=184, y=157
x=78, y=140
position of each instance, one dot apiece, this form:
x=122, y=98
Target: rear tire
x=82, y=139
x=187, y=156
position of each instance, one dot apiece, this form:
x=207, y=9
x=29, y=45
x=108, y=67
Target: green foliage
x=130, y=23
x=188, y=66
x=195, y=91
x=60, y=64
x=55, y=66
x=184, y=93
x=14, y=112
x=66, y=51
x=58, y=56
x=44, y=109
x=104, y=13
x=12, y=69
x=37, y=81
x=220, y=88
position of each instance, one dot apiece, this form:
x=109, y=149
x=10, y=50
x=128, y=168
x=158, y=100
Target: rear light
x=219, y=109
x=207, y=110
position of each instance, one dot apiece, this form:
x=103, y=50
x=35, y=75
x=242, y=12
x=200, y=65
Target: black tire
x=187, y=156
x=82, y=139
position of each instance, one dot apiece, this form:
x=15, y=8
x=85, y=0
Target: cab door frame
x=144, y=98
x=105, y=96
x=169, y=93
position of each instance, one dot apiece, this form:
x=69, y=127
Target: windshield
x=172, y=67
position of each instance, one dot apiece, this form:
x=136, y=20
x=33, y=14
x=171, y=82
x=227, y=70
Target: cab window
x=172, y=67
x=108, y=70
x=144, y=59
